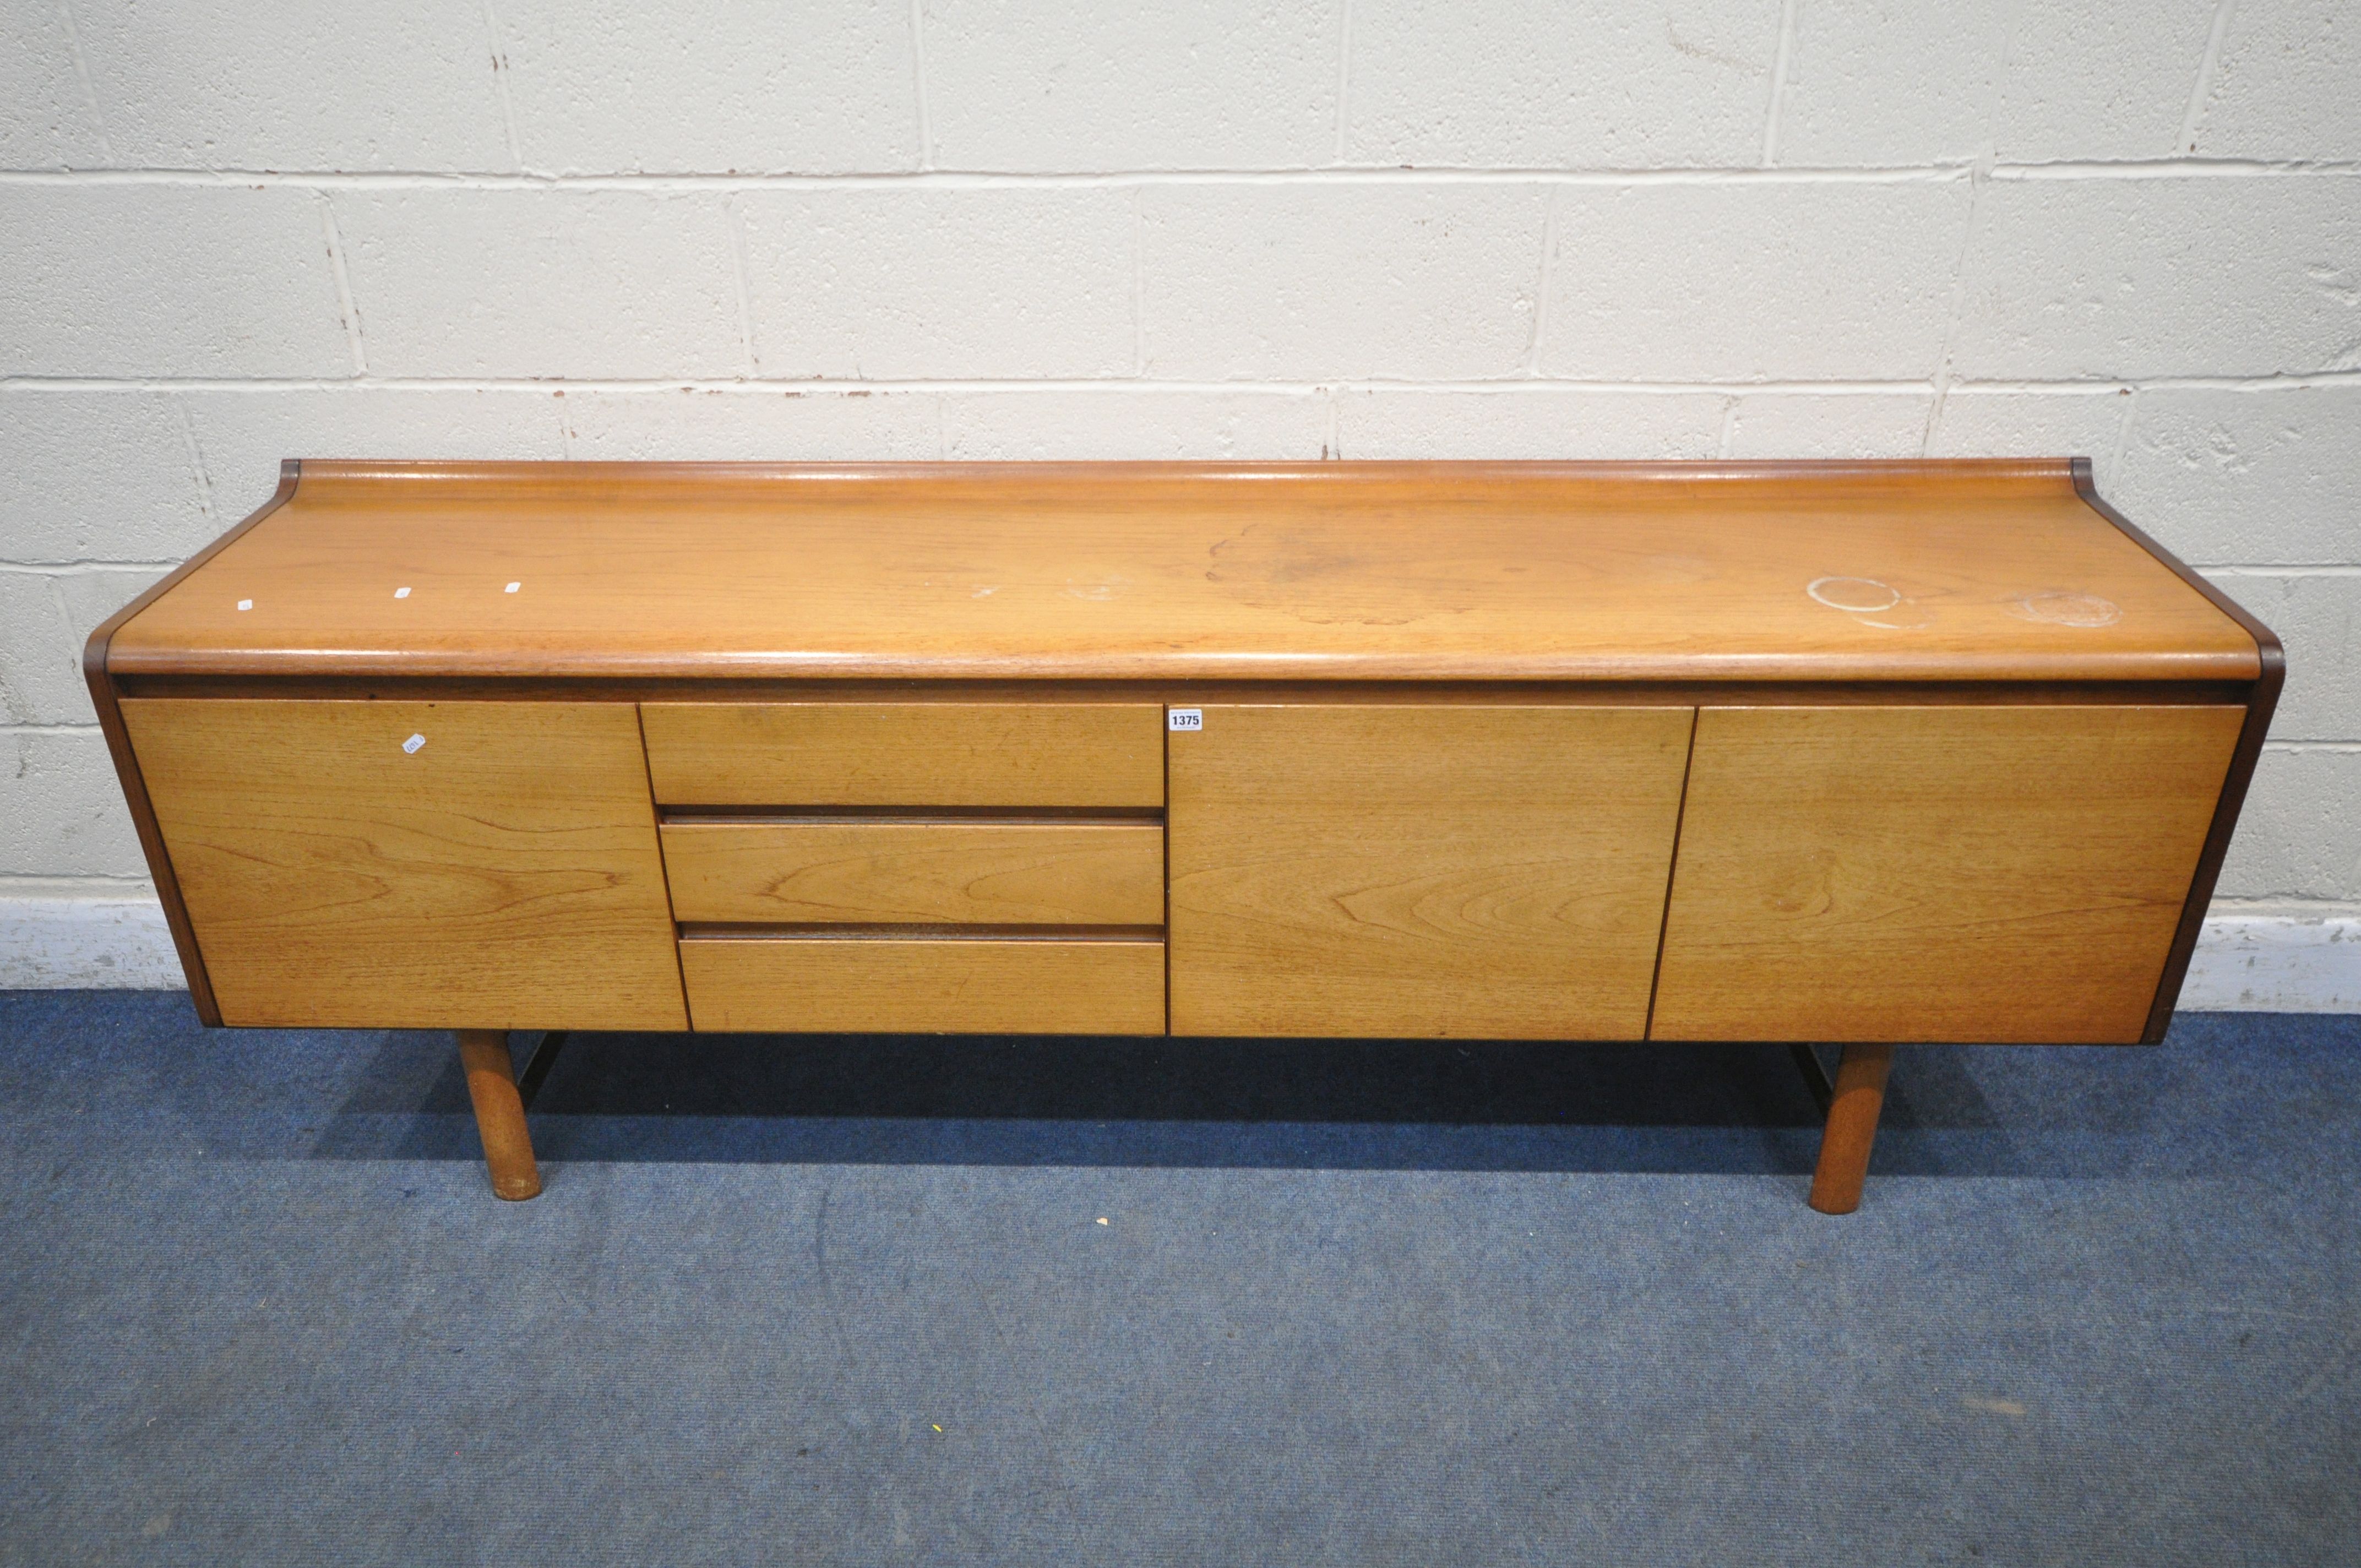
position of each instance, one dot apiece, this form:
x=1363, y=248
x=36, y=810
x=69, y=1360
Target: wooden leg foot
x=1852, y=1128
x=500, y=1112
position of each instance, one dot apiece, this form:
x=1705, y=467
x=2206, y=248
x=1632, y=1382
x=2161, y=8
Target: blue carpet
x=822, y=1301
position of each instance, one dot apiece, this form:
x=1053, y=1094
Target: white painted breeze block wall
x=1051, y=228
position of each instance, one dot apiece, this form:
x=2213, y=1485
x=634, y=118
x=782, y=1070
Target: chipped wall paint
x=2276, y=964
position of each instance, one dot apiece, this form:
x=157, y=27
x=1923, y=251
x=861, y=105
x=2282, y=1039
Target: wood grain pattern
x=1907, y=571
x=1470, y=872
x=949, y=985
x=858, y=753
x=1906, y=874
x=992, y=874
x=504, y=874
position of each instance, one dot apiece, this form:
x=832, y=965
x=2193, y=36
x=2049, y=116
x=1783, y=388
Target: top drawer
x=906, y=753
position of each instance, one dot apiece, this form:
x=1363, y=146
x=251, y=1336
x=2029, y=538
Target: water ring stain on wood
x=2060, y=609
x=1860, y=595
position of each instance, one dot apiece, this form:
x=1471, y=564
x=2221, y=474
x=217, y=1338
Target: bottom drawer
x=969, y=985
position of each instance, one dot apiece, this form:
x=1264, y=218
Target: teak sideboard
x=1859, y=754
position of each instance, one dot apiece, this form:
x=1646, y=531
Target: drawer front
x=474, y=865
x=952, y=985
x=914, y=753
x=2004, y=874
x=990, y=873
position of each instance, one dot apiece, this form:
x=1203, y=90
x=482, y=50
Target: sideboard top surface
x=1504, y=571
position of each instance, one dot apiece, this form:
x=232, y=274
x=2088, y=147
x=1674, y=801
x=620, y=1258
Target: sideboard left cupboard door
x=415, y=864
x=1441, y=870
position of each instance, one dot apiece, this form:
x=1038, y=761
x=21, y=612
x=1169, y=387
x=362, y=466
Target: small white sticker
x=246, y=604
x=1184, y=718
x=512, y=588
x=402, y=593
x=413, y=744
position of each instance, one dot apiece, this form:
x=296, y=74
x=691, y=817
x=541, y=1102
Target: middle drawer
x=986, y=872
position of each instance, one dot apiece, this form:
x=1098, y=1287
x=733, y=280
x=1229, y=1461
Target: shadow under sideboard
x=1051, y=1101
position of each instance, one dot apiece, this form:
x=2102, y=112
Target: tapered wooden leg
x=1852, y=1128
x=500, y=1112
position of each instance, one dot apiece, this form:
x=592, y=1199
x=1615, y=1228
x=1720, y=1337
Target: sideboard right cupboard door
x=1935, y=873
x=1483, y=872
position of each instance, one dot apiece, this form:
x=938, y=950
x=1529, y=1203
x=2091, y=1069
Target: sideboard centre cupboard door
x=1472, y=870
